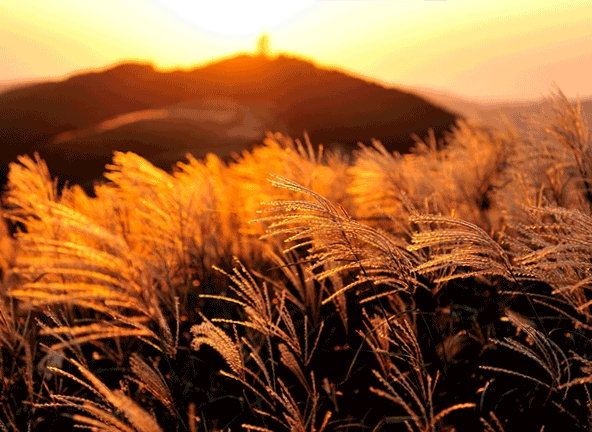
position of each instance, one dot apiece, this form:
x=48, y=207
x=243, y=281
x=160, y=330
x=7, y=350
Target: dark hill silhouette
x=295, y=95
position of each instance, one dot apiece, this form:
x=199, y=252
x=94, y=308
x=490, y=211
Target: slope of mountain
x=222, y=107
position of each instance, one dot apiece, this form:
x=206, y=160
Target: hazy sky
x=498, y=49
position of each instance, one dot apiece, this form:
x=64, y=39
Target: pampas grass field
x=448, y=289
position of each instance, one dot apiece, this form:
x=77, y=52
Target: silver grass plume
x=332, y=236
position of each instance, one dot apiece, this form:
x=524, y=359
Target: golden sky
x=498, y=49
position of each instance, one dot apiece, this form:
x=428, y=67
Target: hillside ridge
x=284, y=94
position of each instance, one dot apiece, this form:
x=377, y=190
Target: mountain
x=492, y=113
x=223, y=107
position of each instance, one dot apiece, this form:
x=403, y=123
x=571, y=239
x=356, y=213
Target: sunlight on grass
x=303, y=290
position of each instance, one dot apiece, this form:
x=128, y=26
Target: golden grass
x=444, y=289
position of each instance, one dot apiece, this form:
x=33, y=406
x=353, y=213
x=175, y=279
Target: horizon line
x=422, y=90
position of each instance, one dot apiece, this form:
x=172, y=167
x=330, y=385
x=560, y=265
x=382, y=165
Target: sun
x=236, y=18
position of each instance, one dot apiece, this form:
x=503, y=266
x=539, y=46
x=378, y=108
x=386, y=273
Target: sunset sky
x=497, y=49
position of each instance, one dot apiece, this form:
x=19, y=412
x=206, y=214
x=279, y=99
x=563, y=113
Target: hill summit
x=223, y=107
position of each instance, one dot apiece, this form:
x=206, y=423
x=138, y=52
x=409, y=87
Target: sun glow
x=232, y=18
x=479, y=48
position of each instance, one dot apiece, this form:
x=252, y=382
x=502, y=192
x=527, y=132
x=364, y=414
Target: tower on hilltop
x=263, y=49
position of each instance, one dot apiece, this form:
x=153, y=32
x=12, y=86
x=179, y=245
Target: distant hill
x=222, y=107
x=492, y=113
x=6, y=85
